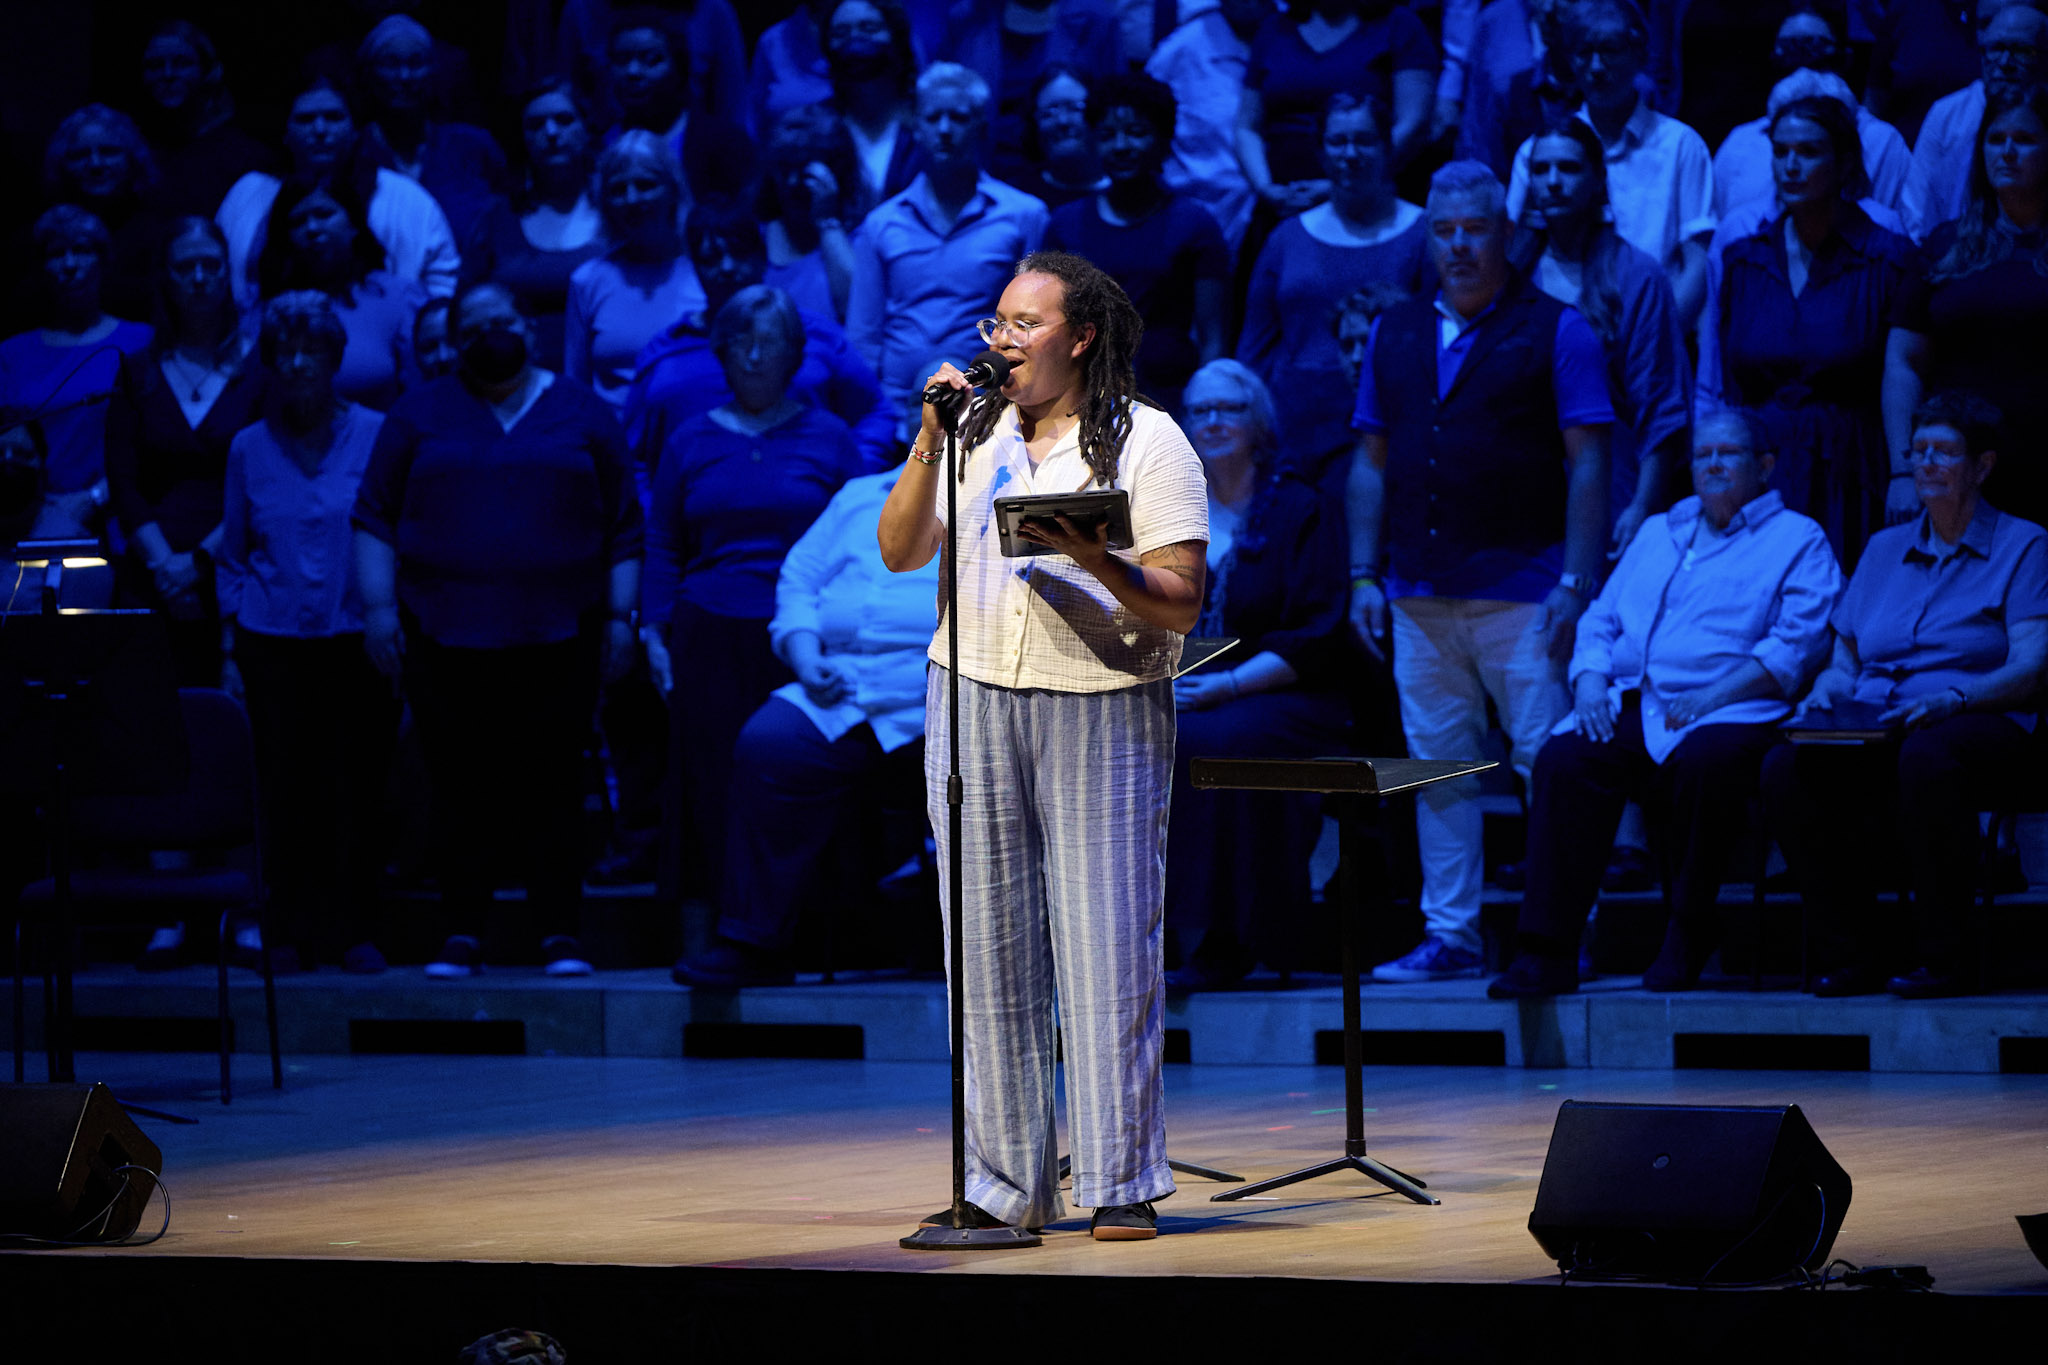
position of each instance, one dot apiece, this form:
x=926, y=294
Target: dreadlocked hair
x=1088, y=298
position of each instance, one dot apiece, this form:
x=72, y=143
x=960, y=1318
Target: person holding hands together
x=1943, y=633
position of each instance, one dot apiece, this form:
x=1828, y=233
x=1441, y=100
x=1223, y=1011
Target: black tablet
x=1083, y=510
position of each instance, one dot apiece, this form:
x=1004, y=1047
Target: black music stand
x=88, y=706
x=1354, y=781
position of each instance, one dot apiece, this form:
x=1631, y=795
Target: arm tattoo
x=1184, y=559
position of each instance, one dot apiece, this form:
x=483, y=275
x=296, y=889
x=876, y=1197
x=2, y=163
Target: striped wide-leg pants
x=1063, y=825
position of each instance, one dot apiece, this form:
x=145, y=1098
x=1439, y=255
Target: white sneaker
x=461, y=956
x=1434, y=959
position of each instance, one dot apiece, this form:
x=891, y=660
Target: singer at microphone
x=987, y=370
x=1067, y=722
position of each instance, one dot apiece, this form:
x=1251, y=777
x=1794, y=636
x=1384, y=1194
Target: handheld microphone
x=989, y=370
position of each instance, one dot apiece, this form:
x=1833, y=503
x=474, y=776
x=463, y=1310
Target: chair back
x=215, y=810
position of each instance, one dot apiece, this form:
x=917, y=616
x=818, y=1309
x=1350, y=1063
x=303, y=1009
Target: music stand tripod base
x=1355, y=780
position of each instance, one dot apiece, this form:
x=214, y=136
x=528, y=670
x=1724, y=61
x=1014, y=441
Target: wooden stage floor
x=823, y=1165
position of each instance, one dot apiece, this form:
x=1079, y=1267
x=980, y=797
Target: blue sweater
x=727, y=508
x=503, y=538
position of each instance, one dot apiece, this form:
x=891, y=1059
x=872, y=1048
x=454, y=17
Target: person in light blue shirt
x=324, y=723
x=1715, y=618
x=1941, y=639
x=855, y=636
x=928, y=261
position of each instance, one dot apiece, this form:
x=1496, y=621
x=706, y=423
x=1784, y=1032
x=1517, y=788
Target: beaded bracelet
x=924, y=456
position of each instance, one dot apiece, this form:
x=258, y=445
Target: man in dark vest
x=1478, y=519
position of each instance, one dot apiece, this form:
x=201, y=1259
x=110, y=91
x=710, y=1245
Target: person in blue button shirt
x=1943, y=633
x=1715, y=618
x=928, y=261
x=1480, y=477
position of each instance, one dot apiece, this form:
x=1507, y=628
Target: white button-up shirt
x=870, y=621
x=1938, y=183
x=1043, y=621
x=1203, y=63
x=1660, y=182
x=1685, y=606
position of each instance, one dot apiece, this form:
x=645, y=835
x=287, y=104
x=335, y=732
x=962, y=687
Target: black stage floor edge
x=65, y=1306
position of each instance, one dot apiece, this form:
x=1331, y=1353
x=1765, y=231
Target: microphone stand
x=959, y=1236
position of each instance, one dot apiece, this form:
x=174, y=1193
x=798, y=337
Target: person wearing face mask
x=1810, y=61
x=318, y=238
x=1943, y=633
x=733, y=489
x=1713, y=621
x=292, y=636
x=1975, y=311
x=679, y=376
x=1364, y=235
x=874, y=73
x=2011, y=38
x=533, y=240
x=1660, y=180
x=320, y=136
x=497, y=551
x=1166, y=251
x=188, y=116
x=1237, y=883
x=619, y=301
x=811, y=198
x=63, y=371
x=927, y=260
x=458, y=163
x=176, y=406
x=1803, y=309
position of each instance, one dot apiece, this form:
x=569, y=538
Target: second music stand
x=1354, y=781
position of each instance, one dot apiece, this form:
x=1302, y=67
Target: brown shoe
x=1124, y=1223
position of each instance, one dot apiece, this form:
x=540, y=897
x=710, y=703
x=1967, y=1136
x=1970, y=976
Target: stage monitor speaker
x=1720, y=1194
x=61, y=1152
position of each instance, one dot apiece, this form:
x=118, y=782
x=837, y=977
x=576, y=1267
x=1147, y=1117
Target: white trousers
x=1450, y=655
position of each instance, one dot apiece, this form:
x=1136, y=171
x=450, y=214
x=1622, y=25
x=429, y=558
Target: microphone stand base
x=969, y=1239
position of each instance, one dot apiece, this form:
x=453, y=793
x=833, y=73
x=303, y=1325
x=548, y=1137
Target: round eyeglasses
x=1020, y=332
